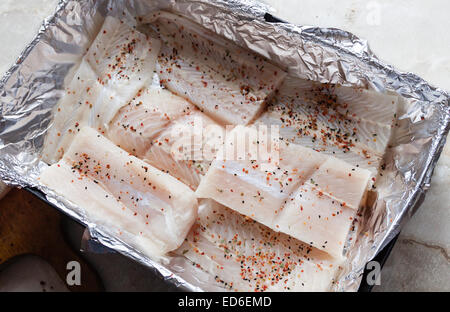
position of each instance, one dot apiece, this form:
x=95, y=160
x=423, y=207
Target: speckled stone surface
x=401, y=33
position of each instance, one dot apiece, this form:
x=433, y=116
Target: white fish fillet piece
x=331, y=128
x=119, y=62
x=244, y=255
x=317, y=219
x=227, y=82
x=351, y=124
x=101, y=207
x=180, y=148
x=365, y=104
x=341, y=181
x=258, y=192
x=293, y=131
x=72, y=112
x=124, y=60
x=164, y=205
x=352, y=102
x=261, y=194
x=141, y=120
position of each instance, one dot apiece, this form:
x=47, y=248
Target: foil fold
x=33, y=86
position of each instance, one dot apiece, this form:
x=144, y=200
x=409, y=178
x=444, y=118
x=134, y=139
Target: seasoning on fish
x=244, y=255
x=186, y=147
x=317, y=218
x=124, y=192
x=225, y=81
x=140, y=121
x=119, y=62
x=351, y=124
x=262, y=194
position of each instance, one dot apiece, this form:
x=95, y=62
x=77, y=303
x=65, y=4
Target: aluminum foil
x=32, y=87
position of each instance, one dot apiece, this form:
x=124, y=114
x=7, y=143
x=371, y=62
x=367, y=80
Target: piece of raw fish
x=101, y=207
x=180, y=149
x=244, y=255
x=72, y=112
x=246, y=186
x=317, y=219
x=140, y=121
x=158, y=207
x=341, y=181
x=225, y=81
x=118, y=64
x=351, y=124
x=261, y=194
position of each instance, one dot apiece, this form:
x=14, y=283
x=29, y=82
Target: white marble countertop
x=412, y=35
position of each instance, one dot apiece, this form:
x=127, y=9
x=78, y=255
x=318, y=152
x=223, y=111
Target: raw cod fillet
x=100, y=206
x=317, y=219
x=265, y=195
x=244, y=255
x=119, y=62
x=351, y=124
x=141, y=120
x=73, y=112
x=245, y=186
x=226, y=82
x=124, y=192
x=341, y=181
x=180, y=148
x=156, y=124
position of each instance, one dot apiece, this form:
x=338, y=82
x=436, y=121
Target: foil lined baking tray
x=33, y=86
